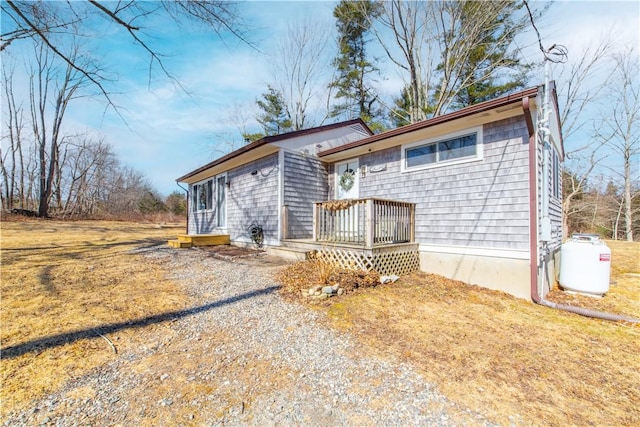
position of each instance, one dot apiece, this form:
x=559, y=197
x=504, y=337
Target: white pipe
x=545, y=134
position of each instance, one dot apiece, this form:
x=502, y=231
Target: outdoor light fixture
x=254, y=172
x=228, y=184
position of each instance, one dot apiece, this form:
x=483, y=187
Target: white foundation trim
x=466, y=250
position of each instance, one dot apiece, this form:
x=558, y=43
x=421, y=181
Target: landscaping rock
x=388, y=279
x=329, y=290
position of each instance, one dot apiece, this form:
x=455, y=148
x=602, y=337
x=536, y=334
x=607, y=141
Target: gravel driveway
x=244, y=356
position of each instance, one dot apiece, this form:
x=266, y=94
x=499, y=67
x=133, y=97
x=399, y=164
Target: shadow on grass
x=85, y=252
x=89, y=245
x=41, y=344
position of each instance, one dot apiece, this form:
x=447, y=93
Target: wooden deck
x=392, y=258
x=365, y=223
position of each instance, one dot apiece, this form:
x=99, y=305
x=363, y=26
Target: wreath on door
x=347, y=179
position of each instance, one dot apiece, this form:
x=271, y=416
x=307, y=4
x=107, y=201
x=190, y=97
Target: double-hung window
x=202, y=196
x=454, y=148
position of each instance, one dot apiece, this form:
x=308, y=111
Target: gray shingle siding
x=305, y=182
x=253, y=198
x=483, y=203
x=202, y=222
x=249, y=198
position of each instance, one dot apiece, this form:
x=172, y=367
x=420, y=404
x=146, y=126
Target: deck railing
x=364, y=222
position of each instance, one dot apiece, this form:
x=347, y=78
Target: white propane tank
x=585, y=265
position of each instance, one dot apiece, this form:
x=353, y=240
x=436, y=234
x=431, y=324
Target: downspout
x=186, y=190
x=533, y=235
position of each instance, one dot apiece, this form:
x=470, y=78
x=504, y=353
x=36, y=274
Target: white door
x=347, y=180
x=348, y=220
x=221, y=201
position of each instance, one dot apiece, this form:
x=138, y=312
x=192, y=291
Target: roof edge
x=464, y=112
x=271, y=139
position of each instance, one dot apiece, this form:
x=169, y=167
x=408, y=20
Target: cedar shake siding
x=482, y=203
x=202, y=222
x=248, y=198
x=253, y=198
x=305, y=182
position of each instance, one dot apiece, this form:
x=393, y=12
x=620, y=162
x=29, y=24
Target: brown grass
x=297, y=278
x=73, y=277
x=515, y=361
x=622, y=297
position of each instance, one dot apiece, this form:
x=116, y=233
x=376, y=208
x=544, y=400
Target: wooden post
x=315, y=221
x=412, y=223
x=369, y=224
x=285, y=222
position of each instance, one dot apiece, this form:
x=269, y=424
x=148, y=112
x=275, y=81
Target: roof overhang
x=475, y=115
x=269, y=145
x=228, y=162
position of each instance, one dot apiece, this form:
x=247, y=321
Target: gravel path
x=244, y=357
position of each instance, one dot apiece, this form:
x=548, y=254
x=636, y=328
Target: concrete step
x=291, y=253
x=300, y=244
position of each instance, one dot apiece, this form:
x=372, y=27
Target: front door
x=347, y=180
x=221, y=201
x=348, y=220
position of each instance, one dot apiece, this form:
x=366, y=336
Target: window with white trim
x=202, y=196
x=556, y=175
x=454, y=148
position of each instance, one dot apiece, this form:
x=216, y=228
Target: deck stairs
x=189, y=240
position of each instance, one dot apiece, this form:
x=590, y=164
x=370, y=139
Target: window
x=556, y=175
x=221, y=201
x=202, y=196
x=460, y=147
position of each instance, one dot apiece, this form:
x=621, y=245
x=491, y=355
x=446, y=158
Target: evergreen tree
x=399, y=115
x=176, y=203
x=151, y=202
x=353, y=20
x=275, y=119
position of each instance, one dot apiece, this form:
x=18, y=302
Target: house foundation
x=505, y=274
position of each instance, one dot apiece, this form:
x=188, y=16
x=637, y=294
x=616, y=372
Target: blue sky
x=171, y=130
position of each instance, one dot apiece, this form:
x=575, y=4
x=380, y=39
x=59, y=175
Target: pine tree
x=353, y=20
x=275, y=119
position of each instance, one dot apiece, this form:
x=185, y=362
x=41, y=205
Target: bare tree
x=410, y=49
x=53, y=23
x=52, y=87
x=83, y=160
x=619, y=128
x=12, y=168
x=580, y=85
x=475, y=43
x=238, y=129
x=451, y=52
x=299, y=66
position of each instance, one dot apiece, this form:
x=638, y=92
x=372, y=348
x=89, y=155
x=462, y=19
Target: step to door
x=189, y=240
x=179, y=244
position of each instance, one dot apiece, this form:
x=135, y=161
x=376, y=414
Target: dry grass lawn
x=62, y=281
x=514, y=361
x=517, y=362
